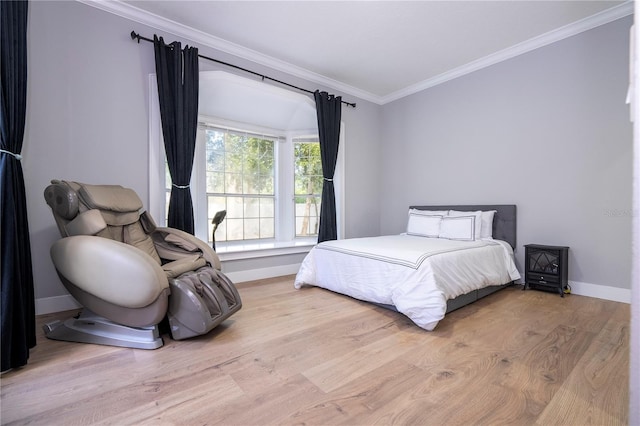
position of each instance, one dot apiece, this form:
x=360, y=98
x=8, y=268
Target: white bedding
x=415, y=274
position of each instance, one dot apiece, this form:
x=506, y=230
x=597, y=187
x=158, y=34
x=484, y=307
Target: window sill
x=257, y=250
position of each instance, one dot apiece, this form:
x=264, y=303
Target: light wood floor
x=313, y=357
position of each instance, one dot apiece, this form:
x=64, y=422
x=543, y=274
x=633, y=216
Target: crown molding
x=604, y=17
x=135, y=14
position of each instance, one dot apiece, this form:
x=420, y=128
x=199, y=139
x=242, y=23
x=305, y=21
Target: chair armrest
x=185, y=264
x=110, y=270
x=183, y=244
x=89, y=222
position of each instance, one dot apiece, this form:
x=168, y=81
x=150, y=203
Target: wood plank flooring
x=312, y=357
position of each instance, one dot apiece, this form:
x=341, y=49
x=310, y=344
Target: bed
x=449, y=256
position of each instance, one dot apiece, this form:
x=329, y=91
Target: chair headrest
x=114, y=198
x=62, y=199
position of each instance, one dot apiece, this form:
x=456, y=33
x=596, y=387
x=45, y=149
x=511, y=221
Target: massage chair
x=130, y=275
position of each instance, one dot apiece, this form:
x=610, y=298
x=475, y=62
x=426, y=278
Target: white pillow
x=486, y=231
x=478, y=220
x=423, y=225
x=458, y=228
x=429, y=212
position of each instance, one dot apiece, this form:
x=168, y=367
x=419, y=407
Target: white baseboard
x=48, y=305
x=615, y=294
x=263, y=273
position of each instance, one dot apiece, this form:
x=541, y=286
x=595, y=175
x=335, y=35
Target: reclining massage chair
x=129, y=274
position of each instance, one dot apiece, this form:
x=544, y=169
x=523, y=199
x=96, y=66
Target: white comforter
x=417, y=275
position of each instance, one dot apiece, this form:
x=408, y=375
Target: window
x=308, y=186
x=257, y=157
x=240, y=176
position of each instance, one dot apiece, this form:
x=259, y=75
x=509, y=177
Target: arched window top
x=232, y=97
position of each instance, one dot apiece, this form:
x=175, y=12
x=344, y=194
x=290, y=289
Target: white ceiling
x=377, y=50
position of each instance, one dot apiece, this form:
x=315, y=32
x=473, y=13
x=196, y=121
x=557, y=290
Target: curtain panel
x=177, y=75
x=17, y=295
x=329, y=112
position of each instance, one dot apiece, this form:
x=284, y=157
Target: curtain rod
x=138, y=37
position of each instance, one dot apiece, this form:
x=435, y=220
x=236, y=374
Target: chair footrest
x=200, y=301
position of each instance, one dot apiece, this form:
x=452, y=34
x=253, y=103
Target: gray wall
x=547, y=130
x=87, y=120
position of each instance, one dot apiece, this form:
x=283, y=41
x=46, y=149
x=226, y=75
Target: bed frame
x=504, y=228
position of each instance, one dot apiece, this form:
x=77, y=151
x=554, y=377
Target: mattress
x=416, y=275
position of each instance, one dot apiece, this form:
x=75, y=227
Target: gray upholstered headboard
x=504, y=221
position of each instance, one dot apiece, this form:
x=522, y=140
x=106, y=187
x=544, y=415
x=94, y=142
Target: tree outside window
x=308, y=186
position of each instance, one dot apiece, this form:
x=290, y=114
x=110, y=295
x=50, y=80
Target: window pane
x=234, y=229
x=215, y=161
x=268, y=188
x=252, y=207
x=233, y=183
x=235, y=207
x=308, y=187
x=252, y=184
x=301, y=229
x=233, y=145
x=307, y=216
x=240, y=172
x=302, y=185
x=215, y=182
x=215, y=204
x=215, y=140
x=251, y=229
x=267, y=228
x=266, y=207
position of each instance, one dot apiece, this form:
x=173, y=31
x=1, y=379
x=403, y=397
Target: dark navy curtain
x=177, y=74
x=17, y=298
x=329, y=111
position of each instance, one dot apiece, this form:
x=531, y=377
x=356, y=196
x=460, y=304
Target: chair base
x=91, y=328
